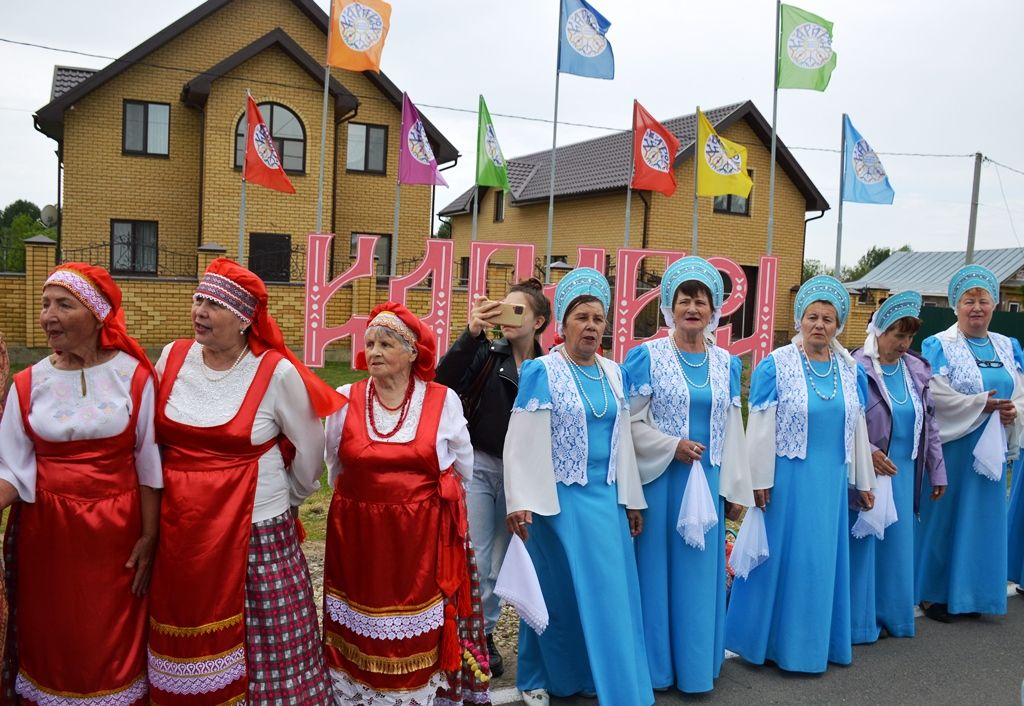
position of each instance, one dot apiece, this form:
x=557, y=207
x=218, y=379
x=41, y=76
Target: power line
x=512, y=116
x=1009, y=214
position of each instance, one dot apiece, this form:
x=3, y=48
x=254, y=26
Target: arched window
x=287, y=131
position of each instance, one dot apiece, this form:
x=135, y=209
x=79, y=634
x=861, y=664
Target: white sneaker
x=536, y=697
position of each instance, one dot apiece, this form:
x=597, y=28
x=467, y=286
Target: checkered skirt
x=283, y=646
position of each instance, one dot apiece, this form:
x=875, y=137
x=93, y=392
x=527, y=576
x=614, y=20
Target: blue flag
x=865, y=180
x=582, y=47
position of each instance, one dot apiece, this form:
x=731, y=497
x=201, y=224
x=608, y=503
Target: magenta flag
x=416, y=161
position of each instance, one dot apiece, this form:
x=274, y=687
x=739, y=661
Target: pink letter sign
x=480, y=254
x=319, y=291
x=585, y=257
x=437, y=261
x=626, y=305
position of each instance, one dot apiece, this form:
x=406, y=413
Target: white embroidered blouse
x=60, y=412
x=199, y=402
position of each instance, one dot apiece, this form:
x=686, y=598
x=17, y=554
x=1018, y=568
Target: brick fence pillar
x=40, y=258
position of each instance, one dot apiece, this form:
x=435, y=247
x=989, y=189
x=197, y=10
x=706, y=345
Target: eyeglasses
x=989, y=363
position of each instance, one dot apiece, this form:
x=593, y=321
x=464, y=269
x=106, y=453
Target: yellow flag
x=722, y=165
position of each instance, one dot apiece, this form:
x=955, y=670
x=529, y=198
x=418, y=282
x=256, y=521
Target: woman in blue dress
x=685, y=394
x=962, y=541
x=573, y=494
x=807, y=441
x=905, y=443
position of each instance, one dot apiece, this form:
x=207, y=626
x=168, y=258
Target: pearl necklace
x=832, y=368
x=204, y=367
x=576, y=371
x=684, y=362
x=983, y=346
x=906, y=388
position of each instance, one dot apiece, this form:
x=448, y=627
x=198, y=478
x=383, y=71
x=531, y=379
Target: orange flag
x=357, y=32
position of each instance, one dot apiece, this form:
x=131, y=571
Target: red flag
x=262, y=165
x=654, y=151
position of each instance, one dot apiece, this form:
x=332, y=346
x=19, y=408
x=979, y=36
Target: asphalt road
x=970, y=661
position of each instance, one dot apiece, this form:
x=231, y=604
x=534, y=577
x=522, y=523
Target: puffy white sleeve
x=332, y=430
x=654, y=449
x=297, y=420
x=17, y=452
x=147, y=453
x=529, y=471
x=453, y=444
x=735, y=482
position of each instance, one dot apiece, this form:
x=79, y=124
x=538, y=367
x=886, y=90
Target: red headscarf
x=94, y=280
x=265, y=334
x=423, y=367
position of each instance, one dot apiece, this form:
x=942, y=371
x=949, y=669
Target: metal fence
x=12, y=257
x=141, y=260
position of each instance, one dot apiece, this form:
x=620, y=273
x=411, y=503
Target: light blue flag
x=865, y=178
x=582, y=47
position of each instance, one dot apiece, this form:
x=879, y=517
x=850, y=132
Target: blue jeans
x=485, y=505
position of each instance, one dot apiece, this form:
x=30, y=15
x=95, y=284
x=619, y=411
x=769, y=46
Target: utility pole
x=969, y=258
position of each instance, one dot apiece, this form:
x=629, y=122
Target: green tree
x=17, y=208
x=813, y=268
x=445, y=229
x=874, y=257
x=13, y=237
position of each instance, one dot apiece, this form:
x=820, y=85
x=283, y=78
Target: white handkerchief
x=990, y=451
x=518, y=584
x=881, y=515
x=697, y=511
x=751, y=547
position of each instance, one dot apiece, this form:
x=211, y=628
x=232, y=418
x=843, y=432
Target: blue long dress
x=882, y=572
x=794, y=609
x=682, y=589
x=961, y=541
x=1015, y=525
x=584, y=559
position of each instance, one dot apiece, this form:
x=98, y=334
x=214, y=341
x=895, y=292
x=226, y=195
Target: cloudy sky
x=916, y=76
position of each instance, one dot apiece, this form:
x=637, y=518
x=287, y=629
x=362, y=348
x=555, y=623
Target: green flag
x=806, y=59
x=491, y=169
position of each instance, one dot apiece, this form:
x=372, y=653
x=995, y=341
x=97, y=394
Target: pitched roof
x=67, y=77
x=197, y=91
x=50, y=118
x=929, y=272
x=602, y=164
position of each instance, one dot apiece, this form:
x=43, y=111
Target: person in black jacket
x=486, y=374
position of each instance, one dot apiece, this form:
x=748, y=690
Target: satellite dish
x=48, y=216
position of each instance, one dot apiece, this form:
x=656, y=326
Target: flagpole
x=629, y=176
x=775, y=115
x=241, y=208
x=696, y=202
x=476, y=207
x=323, y=150
x=554, y=143
x=394, y=229
x=842, y=186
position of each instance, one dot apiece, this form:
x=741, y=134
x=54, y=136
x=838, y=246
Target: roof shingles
x=929, y=272
x=67, y=77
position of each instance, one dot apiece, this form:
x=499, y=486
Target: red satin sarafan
x=81, y=632
x=395, y=559
x=197, y=654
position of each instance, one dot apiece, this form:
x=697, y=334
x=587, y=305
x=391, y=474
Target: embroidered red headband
x=83, y=289
x=229, y=294
x=390, y=321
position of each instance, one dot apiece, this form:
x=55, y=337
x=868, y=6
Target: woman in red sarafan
x=396, y=576
x=77, y=448
x=232, y=613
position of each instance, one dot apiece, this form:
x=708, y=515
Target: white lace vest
x=670, y=406
x=791, y=415
x=569, y=447
x=963, y=373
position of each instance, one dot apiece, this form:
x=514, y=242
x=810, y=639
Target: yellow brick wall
x=12, y=313
x=599, y=221
x=100, y=183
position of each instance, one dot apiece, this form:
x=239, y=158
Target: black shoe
x=938, y=612
x=494, y=657
x=1020, y=590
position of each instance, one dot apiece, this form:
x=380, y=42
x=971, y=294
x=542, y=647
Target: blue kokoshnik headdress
x=969, y=277
x=896, y=307
x=823, y=288
x=582, y=280
x=692, y=269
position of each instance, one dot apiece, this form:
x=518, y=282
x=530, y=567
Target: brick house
x=151, y=147
x=590, y=200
